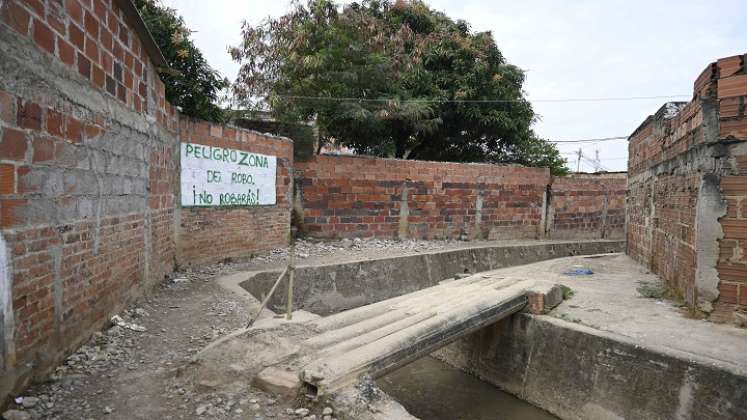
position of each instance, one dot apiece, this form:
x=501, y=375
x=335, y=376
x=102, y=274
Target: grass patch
x=567, y=292
x=654, y=290
x=566, y=317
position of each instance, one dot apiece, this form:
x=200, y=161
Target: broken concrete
x=278, y=381
x=711, y=207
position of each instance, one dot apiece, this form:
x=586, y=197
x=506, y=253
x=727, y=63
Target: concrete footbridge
x=381, y=337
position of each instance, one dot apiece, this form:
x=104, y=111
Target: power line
x=575, y=154
x=483, y=101
x=590, y=140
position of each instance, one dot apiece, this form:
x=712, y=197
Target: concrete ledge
x=543, y=297
x=578, y=372
x=326, y=289
x=278, y=381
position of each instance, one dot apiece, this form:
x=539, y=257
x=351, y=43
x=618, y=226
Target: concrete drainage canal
x=431, y=389
x=427, y=388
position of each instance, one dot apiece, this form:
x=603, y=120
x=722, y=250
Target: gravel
x=127, y=371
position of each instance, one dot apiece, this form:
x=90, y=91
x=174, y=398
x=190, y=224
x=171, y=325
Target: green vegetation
x=567, y=292
x=653, y=290
x=569, y=318
x=394, y=79
x=191, y=84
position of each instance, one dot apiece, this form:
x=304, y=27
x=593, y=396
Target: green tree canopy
x=392, y=79
x=191, y=84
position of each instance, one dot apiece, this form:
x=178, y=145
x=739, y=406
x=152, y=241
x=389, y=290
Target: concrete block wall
x=686, y=184
x=88, y=153
x=208, y=234
x=354, y=196
x=89, y=178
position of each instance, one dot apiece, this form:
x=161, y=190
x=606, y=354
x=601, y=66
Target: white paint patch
x=215, y=176
x=6, y=306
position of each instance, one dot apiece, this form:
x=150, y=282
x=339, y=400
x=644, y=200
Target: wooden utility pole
x=291, y=274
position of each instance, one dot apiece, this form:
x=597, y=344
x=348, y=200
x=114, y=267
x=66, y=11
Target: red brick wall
x=346, y=196
x=93, y=39
x=662, y=204
x=587, y=206
x=211, y=233
x=672, y=155
x=89, y=175
x=732, y=265
x=86, y=187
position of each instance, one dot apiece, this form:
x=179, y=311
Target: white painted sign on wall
x=214, y=176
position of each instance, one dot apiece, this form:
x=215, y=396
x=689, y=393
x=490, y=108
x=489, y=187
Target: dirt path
x=126, y=374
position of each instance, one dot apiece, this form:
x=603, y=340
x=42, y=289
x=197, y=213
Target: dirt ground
x=126, y=374
x=311, y=252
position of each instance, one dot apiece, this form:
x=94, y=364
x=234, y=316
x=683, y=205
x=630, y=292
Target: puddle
x=432, y=390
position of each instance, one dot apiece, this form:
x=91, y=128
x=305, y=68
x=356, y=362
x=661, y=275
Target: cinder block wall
x=686, y=185
x=354, y=196
x=89, y=178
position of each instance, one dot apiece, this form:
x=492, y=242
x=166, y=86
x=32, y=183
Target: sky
x=570, y=49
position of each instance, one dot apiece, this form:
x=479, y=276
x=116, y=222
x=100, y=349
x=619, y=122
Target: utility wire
x=484, y=101
x=589, y=140
x=575, y=154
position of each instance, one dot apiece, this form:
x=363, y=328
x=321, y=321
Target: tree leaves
x=422, y=81
x=191, y=84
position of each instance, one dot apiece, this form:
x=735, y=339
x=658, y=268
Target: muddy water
x=431, y=390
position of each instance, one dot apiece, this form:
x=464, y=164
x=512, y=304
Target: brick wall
x=731, y=92
x=89, y=178
x=89, y=173
x=88, y=160
x=686, y=187
x=587, y=206
x=353, y=196
x=212, y=233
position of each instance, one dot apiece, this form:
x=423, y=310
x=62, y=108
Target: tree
x=391, y=79
x=191, y=84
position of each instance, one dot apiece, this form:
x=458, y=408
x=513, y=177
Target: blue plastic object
x=580, y=271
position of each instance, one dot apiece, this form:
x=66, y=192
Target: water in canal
x=432, y=390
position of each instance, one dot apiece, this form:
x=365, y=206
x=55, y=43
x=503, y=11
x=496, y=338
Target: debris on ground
x=118, y=321
x=134, y=369
x=16, y=415
x=307, y=248
x=741, y=319
x=579, y=271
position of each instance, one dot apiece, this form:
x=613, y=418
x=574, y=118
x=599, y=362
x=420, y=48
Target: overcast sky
x=570, y=49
